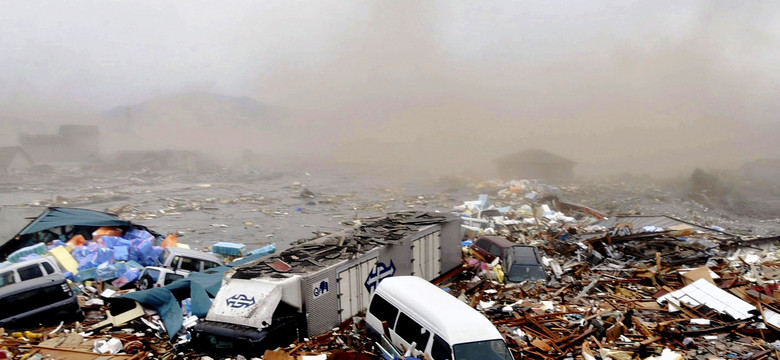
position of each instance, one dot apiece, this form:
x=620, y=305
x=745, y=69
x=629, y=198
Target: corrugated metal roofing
x=640, y=221
x=703, y=292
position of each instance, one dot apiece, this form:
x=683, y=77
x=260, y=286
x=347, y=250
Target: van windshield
x=482, y=350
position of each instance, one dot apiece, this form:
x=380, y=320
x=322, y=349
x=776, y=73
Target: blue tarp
x=57, y=216
x=198, y=287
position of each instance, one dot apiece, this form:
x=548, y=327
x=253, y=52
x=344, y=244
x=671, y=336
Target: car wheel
x=144, y=284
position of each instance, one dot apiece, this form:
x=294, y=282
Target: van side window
x=190, y=264
x=209, y=264
x=175, y=262
x=47, y=267
x=440, y=350
x=411, y=331
x=484, y=244
x=30, y=272
x=384, y=311
x=153, y=275
x=7, y=278
x=169, y=278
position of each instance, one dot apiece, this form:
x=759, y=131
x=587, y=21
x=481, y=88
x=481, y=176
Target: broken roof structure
x=335, y=274
x=640, y=222
x=318, y=253
x=72, y=143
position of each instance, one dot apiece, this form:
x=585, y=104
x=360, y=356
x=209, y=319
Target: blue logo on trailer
x=379, y=272
x=239, y=301
x=321, y=288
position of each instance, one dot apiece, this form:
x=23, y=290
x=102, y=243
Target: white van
x=418, y=314
x=26, y=270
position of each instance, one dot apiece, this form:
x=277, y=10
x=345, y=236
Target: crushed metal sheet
x=702, y=292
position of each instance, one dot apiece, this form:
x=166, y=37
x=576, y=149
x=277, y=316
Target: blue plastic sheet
x=255, y=255
x=127, y=277
x=198, y=287
x=106, y=271
x=29, y=257
x=144, y=252
x=16, y=256
x=86, y=256
x=138, y=234
x=105, y=255
x=227, y=248
x=121, y=253
x=111, y=241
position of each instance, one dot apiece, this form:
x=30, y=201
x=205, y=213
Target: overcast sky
x=651, y=78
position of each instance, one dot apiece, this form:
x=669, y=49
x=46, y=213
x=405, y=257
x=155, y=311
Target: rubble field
x=635, y=270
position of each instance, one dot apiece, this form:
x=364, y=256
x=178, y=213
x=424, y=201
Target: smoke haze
x=435, y=87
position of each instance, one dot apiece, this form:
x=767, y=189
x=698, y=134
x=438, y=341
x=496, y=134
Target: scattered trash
x=608, y=286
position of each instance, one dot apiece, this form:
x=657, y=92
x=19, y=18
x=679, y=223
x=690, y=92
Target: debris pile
x=615, y=287
x=623, y=287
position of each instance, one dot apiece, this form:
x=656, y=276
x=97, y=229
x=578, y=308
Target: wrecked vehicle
x=155, y=276
x=520, y=262
x=250, y=314
x=44, y=300
x=318, y=284
x=181, y=259
x=524, y=263
x=175, y=263
x=418, y=316
x=29, y=269
x=492, y=247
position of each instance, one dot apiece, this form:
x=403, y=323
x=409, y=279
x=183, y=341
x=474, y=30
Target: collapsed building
x=536, y=164
x=72, y=143
x=14, y=159
x=180, y=160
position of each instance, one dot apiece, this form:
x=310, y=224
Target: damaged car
x=520, y=262
x=43, y=300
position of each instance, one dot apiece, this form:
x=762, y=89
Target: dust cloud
x=423, y=88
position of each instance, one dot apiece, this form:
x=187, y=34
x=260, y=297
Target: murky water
x=258, y=207
x=251, y=207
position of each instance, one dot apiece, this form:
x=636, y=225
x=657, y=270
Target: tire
x=145, y=284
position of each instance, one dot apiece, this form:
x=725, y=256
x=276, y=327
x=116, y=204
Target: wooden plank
x=541, y=344
x=71, y=354
x=551, y=335
x=277, y=355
